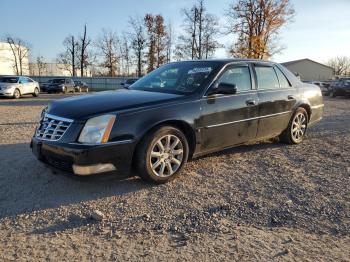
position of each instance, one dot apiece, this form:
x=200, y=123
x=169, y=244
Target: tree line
x=150, y=41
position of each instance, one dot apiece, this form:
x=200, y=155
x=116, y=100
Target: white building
x=49, y=69
x=53, y=69
x=8, y=58
x=310, y=70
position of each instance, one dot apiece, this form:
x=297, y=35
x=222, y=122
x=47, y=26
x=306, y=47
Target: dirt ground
x=267, y=201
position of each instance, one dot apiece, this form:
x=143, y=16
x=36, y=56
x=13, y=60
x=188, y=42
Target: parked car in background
x=44, y=87
x=180, y=110
x=81, y=86
x=16, y=86
x=324, y=86
x=340, y=87
x=129, y=82
x=61, y=85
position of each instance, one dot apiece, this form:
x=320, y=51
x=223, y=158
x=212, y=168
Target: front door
x=228, y=120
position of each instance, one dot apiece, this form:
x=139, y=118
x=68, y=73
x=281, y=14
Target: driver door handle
x=250, y=102
x=291, y=97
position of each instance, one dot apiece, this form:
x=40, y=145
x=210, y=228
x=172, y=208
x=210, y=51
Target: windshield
x=58, y=81
x=11, y=80
x=181, y=77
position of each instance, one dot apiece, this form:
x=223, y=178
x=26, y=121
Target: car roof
x=233, y=60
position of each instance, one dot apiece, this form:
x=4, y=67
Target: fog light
x=95, y=169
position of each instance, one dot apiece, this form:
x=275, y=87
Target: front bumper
x=6, y=92
x=85, y=159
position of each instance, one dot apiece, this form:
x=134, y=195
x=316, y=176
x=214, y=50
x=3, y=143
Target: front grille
x=52, y=128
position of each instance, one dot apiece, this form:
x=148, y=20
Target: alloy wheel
x=298, y=127
x=166, y=155
x=17, y=94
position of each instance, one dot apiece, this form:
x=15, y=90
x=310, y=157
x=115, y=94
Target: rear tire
x=161, y=155
x=36, y=92
x=16, y=94
x=295, y=132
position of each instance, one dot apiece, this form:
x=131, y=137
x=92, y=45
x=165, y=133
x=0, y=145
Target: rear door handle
x=290, y=97
x=250, y=102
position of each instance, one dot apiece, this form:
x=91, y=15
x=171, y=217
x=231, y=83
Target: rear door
x=23, y=85
x=31, y=85
x=277, y=98
x=228, y=120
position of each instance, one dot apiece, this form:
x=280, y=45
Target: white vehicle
x=15, y=86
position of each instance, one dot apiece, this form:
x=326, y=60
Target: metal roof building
x=310, y=70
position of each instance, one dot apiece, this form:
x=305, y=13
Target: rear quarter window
x=284, y=83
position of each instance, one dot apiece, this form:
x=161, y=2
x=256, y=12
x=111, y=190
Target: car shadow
x=27, y=185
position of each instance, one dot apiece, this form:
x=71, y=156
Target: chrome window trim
x=247, y=119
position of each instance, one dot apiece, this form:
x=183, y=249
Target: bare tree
x=257, y=24
x=40, y=64
x=340, y=64
x=125, y=55
x=83, y=44
x=138, y=42
x=68, y=58
x=20, y=50
x=169, y=42
x=200, y=32
x=108, y=44
x=156, y=32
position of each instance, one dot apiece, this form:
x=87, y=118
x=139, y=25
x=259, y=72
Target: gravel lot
x=267, y=201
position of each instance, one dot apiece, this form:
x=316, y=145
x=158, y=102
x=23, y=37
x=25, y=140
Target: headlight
x=97, y=130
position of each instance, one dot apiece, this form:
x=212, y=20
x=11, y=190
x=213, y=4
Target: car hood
x=85, y=106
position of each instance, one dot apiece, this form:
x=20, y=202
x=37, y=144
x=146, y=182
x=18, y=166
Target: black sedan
x=340, y=87
x=182, y=110
x=61, y=85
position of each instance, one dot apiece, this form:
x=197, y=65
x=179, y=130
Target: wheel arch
x=307, y=107
x=183, y=126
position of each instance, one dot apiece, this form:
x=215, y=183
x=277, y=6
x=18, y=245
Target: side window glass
x=267, y=78
x=238, y=76
x=284, y=83
x=29, y=80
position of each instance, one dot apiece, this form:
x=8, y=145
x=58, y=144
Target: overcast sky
x=321, y=28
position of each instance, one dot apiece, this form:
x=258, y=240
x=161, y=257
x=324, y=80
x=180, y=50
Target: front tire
x=36, y=92
x=295, y=132
x=161, y=155
x=16, y=94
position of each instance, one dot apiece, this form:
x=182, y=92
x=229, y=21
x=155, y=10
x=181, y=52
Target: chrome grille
x=52, y=128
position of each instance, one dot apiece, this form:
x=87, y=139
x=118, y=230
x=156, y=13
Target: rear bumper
x=85, y=159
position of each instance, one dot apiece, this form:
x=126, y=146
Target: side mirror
x=223, y=88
